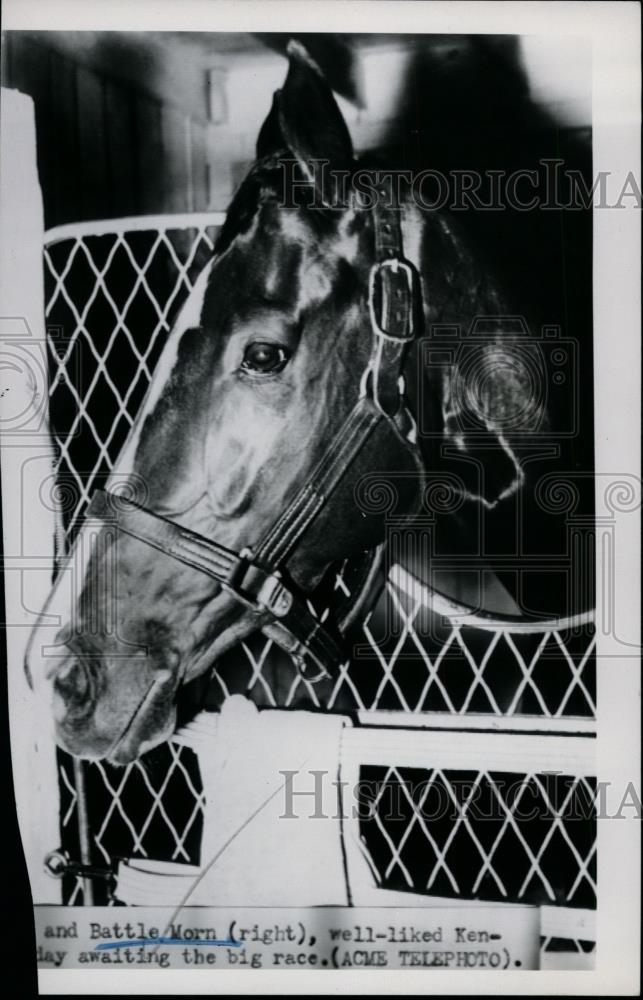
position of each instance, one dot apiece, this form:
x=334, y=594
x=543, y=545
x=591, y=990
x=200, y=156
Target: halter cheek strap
x=392, y=286
x=253, y=577
x=259, y=590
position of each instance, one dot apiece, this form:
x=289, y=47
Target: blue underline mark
x=208, y=943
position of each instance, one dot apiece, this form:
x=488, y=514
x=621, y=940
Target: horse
x=296, y=377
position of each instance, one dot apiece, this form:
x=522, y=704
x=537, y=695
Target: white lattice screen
x=112, y=291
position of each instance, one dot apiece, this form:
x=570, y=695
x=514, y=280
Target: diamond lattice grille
x=481, y=834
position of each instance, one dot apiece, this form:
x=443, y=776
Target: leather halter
x=253, y=576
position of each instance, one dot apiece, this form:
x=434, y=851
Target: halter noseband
x=253, y=576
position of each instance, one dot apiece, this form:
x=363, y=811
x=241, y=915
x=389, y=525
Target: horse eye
x=264, y=357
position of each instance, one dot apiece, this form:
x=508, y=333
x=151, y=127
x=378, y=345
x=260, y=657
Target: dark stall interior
x=133, y=123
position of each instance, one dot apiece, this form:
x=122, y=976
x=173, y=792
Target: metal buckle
x=395, y=264
x=274, y=596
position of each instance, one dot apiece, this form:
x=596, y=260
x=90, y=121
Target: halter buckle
x=380, y=272
x=274, y=597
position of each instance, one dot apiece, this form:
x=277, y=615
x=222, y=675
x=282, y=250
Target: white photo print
x=318, y=532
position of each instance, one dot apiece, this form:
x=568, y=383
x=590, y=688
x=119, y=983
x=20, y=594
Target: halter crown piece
x=254, y=576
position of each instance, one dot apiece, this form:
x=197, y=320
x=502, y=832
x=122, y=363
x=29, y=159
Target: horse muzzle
x=108, y=707
x=74, y=690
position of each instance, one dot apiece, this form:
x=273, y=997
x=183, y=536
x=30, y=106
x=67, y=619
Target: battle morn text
x=494, y=938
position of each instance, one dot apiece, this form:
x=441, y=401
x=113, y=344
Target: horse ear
x=483, y=405
x=270, y=139
x=306, y=119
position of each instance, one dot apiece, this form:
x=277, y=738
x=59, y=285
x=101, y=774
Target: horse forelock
x=264, y=183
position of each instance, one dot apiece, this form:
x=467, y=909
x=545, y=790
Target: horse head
x=272, y=402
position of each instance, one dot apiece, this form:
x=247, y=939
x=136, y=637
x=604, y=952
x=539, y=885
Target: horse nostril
x=72, y=683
